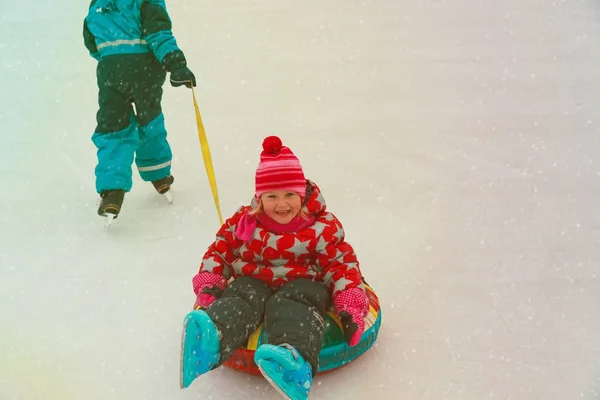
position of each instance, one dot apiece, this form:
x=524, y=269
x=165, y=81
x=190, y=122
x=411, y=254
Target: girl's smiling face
x=281, y=206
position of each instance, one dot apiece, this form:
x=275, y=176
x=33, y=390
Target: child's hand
x=352, y=306
x=183, y=76
x=207, y=295
x=208, y=287
x=353, y=325
x=204, y=300
x=176, y=64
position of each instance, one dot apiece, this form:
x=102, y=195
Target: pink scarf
x=247, y=224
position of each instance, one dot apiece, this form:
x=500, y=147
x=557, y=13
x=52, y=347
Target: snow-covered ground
x=457, y=140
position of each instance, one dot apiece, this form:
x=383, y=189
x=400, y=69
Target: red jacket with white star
x=317, y=252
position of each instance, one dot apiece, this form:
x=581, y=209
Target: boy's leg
x=116, y=135
x=238, y=312
x=294, y=315
x=153, y=156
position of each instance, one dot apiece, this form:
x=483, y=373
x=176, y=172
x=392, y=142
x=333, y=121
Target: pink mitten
x=204, y=300
x=208, y=287
x=352, y=306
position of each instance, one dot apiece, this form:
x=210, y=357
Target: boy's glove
x=208, y=287
x=175, y=63
x=352, y=306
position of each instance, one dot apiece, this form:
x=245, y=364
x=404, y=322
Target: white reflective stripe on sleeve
x=154, y=167
x=119, y=42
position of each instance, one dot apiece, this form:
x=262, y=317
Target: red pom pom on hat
x=272, y=145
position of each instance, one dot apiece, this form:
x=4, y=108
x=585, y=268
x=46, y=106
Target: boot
x=285, y=369
x=163, y=185
x=111, y=203
x=200, y=347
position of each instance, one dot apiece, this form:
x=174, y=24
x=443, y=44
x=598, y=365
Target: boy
x=133, y=42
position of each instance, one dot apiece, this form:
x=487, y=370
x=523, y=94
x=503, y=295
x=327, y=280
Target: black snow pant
x=293, y=315
x=124, y=80
x=121, y=134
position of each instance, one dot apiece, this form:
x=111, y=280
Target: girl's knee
x=248, y=287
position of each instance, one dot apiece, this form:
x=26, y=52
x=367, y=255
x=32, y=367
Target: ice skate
x=200, y=347
x=285, y=369
x=163, y=186
x=110, y=206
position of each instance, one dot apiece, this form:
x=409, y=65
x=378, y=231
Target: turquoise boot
x=200, y=347
x=285, y=369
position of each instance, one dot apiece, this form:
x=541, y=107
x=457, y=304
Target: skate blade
x=272, y=383
x=169, y=196
x=109, y=220
x=181, y=370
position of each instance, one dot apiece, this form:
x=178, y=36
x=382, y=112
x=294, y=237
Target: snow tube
x=335, y=352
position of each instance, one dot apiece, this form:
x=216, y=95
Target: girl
x=289, y=261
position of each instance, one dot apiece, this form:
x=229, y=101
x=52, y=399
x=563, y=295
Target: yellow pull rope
x=207, y=158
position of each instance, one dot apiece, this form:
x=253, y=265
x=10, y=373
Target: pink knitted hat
x=279, y=169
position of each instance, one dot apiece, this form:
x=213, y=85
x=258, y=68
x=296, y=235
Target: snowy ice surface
x=457, y=140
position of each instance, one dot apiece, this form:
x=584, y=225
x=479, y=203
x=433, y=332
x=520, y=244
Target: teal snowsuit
x=133, y=42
